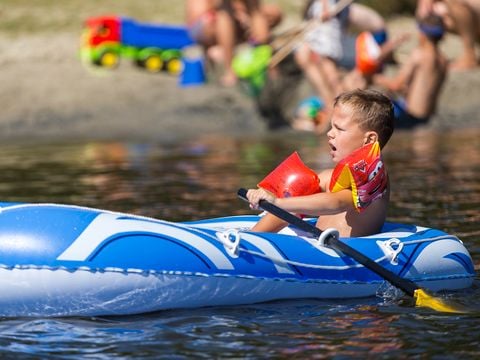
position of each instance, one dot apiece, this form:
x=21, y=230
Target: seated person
x=370, y=56
x=419, y=80
x=461, y=17
x=219, y=25
x=321, y=51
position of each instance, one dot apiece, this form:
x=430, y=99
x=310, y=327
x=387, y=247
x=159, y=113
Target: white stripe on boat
x=105, y=226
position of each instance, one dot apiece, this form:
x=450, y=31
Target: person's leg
x=365, y=19
x=272, y=13
x=226, y=37
x=259, y=30
x=330, y=69
x=315, y=75
x=459, y=18
x=200, y=18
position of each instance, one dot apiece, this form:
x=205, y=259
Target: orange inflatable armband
x=367, y=53
x=363, y=172
x=291, y=178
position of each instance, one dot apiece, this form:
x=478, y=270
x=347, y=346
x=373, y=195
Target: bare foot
x=319, y=124
x=229, y=79
x=463, y=64
x=215, y=53
x=303, y=124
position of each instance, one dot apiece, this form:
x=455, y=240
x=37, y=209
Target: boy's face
x=345, y=135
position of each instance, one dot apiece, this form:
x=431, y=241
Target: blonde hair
x=373, y=111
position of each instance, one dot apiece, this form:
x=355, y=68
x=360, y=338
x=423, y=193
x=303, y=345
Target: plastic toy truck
x=106, y=39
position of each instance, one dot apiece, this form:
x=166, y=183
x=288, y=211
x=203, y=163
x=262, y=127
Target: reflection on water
x=185, y=182
x=435, y=183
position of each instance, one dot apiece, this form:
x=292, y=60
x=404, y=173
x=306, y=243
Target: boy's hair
x=373, y=111
x=432, y=27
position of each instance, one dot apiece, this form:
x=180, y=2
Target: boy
x=360, y=118
x=420, y=79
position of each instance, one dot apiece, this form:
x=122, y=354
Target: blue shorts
x=403, y=119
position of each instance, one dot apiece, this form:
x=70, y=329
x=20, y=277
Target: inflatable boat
x=62, y=260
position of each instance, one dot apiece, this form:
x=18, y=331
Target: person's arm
x=269, y=223
x=316, y=204
x=424, y=7
x=390, y=46
x=325, y=15
x=399, y=82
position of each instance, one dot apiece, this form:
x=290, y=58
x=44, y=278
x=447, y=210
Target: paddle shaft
x=409, y=287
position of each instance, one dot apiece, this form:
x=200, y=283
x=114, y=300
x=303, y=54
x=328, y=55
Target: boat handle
x=325, y=235
x=391, y=248
x=230, y=240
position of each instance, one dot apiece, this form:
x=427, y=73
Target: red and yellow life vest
x=364, y=173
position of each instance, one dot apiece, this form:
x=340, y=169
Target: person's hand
x=325, y=16
x=424, y=8
x=255, y=195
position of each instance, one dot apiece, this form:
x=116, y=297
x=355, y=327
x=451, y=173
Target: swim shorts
x=403, y=119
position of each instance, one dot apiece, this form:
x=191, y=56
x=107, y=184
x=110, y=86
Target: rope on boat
x=232, y=246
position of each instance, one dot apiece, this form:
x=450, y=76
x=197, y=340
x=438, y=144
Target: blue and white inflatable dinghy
x=61, y=260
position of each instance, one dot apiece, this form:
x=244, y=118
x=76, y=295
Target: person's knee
x=302, y=57
x=365, y=18
x=273, y=14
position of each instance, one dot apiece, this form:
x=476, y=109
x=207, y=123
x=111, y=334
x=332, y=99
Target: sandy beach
x=47, y=94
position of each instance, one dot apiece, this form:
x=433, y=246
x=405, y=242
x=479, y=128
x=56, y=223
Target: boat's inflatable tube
x=58, y=260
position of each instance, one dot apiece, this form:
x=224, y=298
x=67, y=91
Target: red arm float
x=291, y=178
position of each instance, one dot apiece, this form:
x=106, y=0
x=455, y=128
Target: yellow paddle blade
x=426, y=300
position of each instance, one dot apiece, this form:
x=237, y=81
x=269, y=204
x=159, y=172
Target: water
x=434, y=178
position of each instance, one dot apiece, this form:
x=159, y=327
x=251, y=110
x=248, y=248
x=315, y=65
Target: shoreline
x=48, y=95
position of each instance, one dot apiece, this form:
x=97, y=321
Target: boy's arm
x=269, y=223
x=316, y=204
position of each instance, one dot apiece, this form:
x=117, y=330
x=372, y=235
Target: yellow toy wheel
x=153, y=63
x=109, y=59
x=174, y=66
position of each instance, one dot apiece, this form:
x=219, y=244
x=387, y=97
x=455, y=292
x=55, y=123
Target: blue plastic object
x=162, y=36
x=193, y=73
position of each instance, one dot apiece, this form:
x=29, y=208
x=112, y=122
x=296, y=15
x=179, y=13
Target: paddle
x=422, y=298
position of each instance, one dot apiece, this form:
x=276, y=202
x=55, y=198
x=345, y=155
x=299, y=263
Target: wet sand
x=48, y=95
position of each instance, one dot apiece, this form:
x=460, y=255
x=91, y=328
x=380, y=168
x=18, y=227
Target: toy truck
x=106, y=39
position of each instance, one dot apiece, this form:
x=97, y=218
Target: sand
x=47, y=94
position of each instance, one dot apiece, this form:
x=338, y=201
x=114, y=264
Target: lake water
x=435, y=182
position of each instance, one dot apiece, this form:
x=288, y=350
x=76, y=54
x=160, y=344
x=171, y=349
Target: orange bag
x=291, y=178
x=363, y=172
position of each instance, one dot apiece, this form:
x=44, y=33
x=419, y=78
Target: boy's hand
x=255, y=195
